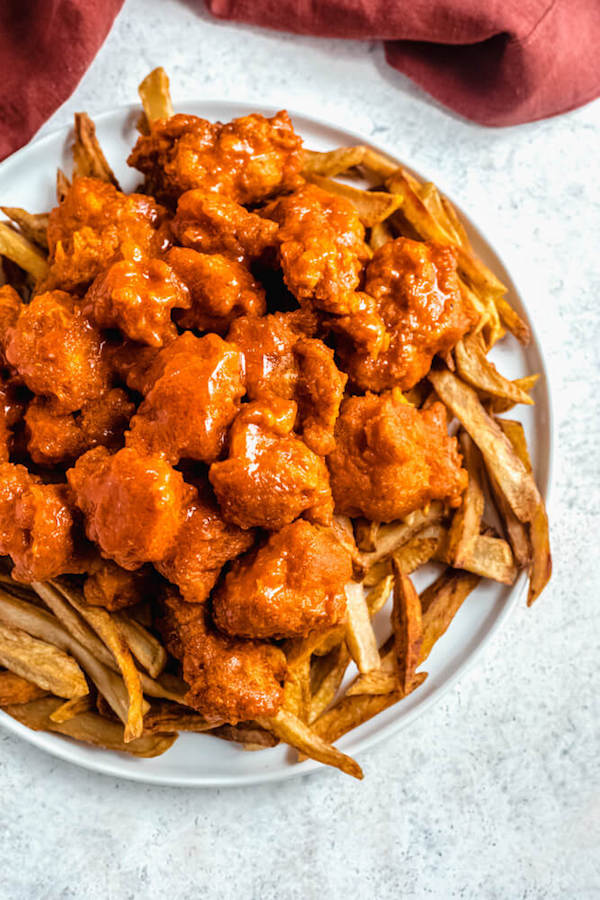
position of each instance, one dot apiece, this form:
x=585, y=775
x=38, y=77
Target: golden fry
x=381, y=233
x=372, y=206
x=296, y=697
x=360, y=636
x=62, y=185
x=148, y=651
x=72, y=708
x=490, y=557
x=164, y=716
x=391, y=537
x=250, y=734
x=42, y=663
x=379, y=595
x=155, y=95
x=88, y=727
x=406, y=627
x=333, y=162
x=33, y=227
x=295, y=733
x=332, y=669
x=477, y=370
x=512, y=321
x=440, y=602
x=466, y=522
x=23, y=252
x=497, y=405
x=89, y=160
x=15, y=689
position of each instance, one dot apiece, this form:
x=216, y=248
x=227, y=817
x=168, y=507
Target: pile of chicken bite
x=211, y=371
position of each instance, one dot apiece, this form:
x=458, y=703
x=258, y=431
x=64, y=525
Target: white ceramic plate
x=27, y=180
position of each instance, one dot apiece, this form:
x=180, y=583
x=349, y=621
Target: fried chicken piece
x=229, y=679
x=282, y=361
x=54, y=438
x=290, y=586
x=137, y=296
x=321, y=247
x=12, y=407
x=133, y=505
x=247, y=160
x=391, y=458
x=10, y=309
x=270, y=476
x=192, y=402
x=211, y=223
x=132, y=363
x=114, y=588
x=418, y=297
x=204, y=543
x=95, y=225
x=58, y=352
x=37, y=527
x=221, y=290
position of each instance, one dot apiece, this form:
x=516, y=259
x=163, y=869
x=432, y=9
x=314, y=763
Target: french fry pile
x=105, y=678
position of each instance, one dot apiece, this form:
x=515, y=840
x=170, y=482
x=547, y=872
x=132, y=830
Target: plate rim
x=67, y=750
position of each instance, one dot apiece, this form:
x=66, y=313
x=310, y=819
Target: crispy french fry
x=155, y=95
x=350, y=712
x=466, y=522
x=250, y=734
x=332, y=669
x=366, y=534
x=379, y=595
x=515, y=432
x=391, y=537
x=512, y=321
x=88, y=727
x=457, y=225
x=164, y=716
x=497, y=405
x=33, y=227
x=420, y=549
x=440, y=602
x=292, y=731
x=372, y=206
x=148, y=651
x=44, y=664
x=381, y=681
x=477, y=370
x=88, y=158
x=296, y=698
x=515, y=481
x=108, y=631
x=344, y=531
x=23, y=252
x=15, y=689
x=406, y=627
x=72, y=708
x=381, y=233
x=333, y=162
x=378, y=164
x=490, y=557
x=360, y=636
x=63, y=185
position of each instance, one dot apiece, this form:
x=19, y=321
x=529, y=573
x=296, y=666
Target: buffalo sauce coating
x=36, y=526
x=95, y=225
x=229, y=679
x=114, y=588
x=133, y=505
x=58, y=352
x=292, y=585
x=205, y=542
x=391, y=458
x=270, y=476
x=137, y=296
x=247, y=160
x=10, y=309
x=417, y=293
x=221, y=289
x=193, y=400
x=211, y=223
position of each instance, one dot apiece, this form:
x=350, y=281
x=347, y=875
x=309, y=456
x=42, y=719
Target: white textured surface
x=496, y=792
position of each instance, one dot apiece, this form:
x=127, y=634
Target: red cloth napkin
x=499, y=62
x=45, y=49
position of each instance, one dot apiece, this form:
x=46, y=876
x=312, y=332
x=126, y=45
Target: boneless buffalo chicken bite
x=10, y=309
x=270, y=476
x=12, y=407
x=391, y=458
x=282, y=361
x=230, y=679
x=57, y=352
x=54, y=438
x=211, y=223
x=133, y=505
x=290, y=586
x=96, y=224
x=137, y=296
x=221, y=289
x=114, y=588
x=417, y=293
x=247, y=160
x=37, y=526
x=204, y=543
x=192, y=402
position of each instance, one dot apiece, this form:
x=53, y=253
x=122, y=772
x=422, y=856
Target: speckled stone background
x=495, y=793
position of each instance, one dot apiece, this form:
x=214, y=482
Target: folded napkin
x=499, y=62
x=45, y=49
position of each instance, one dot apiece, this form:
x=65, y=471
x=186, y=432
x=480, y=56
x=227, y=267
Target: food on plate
x=227, y=437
